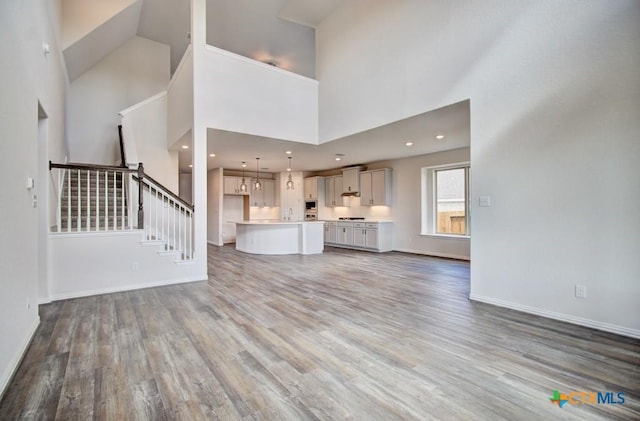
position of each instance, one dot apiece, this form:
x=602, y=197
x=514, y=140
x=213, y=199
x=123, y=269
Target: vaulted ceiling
x=276, y=31
x=281, y=32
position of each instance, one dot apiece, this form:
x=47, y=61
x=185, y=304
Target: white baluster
x=106, y=201
x=88, y=200
x=79, y=183
x=122, y=200
x=97, y=200
x=157, y=219
x=59, y=210
x=115, y=207
x=68, y=173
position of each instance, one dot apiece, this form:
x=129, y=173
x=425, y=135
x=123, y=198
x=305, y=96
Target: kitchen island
x=280, y=237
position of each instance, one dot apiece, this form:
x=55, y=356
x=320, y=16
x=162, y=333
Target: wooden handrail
x=127, y=170
x=167, y=192
x=91, y=167
x=123, y=158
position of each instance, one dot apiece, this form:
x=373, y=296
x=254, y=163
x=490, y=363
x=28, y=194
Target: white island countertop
x=270, y=236
x=275, y=222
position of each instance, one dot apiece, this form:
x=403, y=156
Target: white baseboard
x=88, y=293
x=17, y=358
x=435, y=254
x=606, y=327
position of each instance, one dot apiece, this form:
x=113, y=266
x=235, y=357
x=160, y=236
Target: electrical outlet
x=135, y=266
x=581, y=291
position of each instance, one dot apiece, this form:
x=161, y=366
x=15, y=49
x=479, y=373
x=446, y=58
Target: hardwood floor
x=342, y=335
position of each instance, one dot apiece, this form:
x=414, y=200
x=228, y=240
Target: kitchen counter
x=280, y=237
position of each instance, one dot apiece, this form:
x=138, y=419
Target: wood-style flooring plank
x=341, y=335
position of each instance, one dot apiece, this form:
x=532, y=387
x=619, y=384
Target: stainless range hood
x=351, y=194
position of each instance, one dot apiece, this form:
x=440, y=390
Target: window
x=446, y=200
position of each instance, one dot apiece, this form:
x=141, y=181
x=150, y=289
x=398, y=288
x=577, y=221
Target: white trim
x=238, y=57
x=142, y=103
x=17, y=359
x=606, y=327
x=215, y=244
x=448, y=166
x=115, y=233
x=133, y=287
x=447, y=236
x=435, y=254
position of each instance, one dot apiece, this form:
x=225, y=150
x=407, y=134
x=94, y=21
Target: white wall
x=247, y=96
x=554, y=129
x=185, y=188
x=215, y=200
x=27, y=77
x=82, y=16
x=99, y=263
x=180, y=100
x=145, y=129
x=133, y=72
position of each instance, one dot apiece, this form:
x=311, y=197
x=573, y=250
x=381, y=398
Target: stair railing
x=99, y=198
x=91, y=198
x=166, y=217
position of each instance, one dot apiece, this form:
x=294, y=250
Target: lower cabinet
x=373, y=236
x=345, y=234
x=365, y=235
x=330, y=232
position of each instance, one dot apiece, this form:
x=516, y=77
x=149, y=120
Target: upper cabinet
x=232, y=185
x=333, y=191
x=266, y=197
x=375, y=187
x=351, y=180
x=312, y=186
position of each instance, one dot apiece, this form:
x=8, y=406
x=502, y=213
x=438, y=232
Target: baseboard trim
x=88, y=293
x=606, y=327
x=435, y=254
x=17, y=359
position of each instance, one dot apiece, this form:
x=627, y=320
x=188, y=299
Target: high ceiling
x=276, y=31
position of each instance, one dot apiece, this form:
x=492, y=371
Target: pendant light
x=258, y=184
x=289, y=181
x=243, y=185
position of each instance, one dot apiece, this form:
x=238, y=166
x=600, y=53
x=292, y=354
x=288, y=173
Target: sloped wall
x=135, y=71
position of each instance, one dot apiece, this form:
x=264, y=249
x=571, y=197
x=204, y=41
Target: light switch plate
x=484, y=201
x=29, y=183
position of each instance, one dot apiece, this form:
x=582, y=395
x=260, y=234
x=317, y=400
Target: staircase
x=93, y=200
x=97, y=198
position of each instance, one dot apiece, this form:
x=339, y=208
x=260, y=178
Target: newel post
x=140, y=199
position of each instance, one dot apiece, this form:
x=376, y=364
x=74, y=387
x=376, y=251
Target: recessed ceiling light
x=440, y=136
x=288, y=152
x=339, y=156
x=190, y=166
x=244, y=165
x=212, y=155
x=409, y=144
x=185, y=146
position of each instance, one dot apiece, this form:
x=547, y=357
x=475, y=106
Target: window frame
x=429, y=200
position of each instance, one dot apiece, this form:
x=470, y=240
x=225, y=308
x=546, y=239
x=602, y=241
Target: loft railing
x=100, y=198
